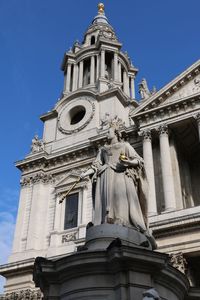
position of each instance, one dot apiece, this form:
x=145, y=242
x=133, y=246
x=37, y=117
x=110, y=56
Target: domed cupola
x=98, y=63
x=100, y=27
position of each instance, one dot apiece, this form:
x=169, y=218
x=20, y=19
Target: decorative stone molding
x=73, y=172
x=163, y=129
x=39, y=177
x=68, y=237
x=179, y=109
x=64, y=124
x=61, y=162
x=197, y=116
x=27, y=294
x=178, y=261
x=146, y=134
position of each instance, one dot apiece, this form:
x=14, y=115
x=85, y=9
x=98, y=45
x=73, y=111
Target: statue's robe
x=120, y=192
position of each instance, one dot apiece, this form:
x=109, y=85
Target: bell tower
x=98, y=64
x=98, y=81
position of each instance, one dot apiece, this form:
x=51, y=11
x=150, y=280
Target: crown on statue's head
x=108, y=121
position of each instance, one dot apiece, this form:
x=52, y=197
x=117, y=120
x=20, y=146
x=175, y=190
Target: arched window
x=92, y=40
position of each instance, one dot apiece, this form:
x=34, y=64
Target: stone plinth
x=116, y=272
x=100, y=236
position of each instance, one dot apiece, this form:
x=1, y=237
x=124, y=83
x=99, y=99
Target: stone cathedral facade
x=164, y=128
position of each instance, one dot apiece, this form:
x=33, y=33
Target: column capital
x=163, y=129
x=132, y=76
x=197, y=116
x=146, y=134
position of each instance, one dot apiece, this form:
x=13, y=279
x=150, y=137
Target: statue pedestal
x=100, y=237
x=111, y=266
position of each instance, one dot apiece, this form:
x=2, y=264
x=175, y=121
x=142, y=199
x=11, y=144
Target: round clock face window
x=76, y=115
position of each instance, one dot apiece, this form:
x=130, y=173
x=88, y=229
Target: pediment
x=182, y=87
x=67, y=180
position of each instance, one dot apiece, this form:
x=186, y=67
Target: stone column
x=197, y=117
x=92, y=70
x=166, y=166
x=120, y=72
x=115, y=66
x=103, y=63
x=80, y=79
x=132, y=88
x=126, y=83
x=75, y=78
x=149, y=167
x=97, y=67
x=69, y=68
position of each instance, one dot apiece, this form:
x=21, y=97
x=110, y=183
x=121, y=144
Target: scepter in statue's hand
x=71, y=188
x=81, y=177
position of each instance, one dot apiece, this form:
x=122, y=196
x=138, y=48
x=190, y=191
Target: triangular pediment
x=183, y=86
x=67, y=180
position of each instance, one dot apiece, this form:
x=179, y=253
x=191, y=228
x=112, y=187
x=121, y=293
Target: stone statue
x=144, y=90
x=37, y=145
x=151, y=294
x=106, y=72
x=119, y=183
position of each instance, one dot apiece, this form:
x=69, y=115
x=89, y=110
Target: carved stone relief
x=190, y=88
x=84, y=103
x=68, y=237
x=39, y=177
x=178, y=261
x=27, y=294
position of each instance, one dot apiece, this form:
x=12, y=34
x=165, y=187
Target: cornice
x=159, y=97
x=78, y=93
x=49, y=115
x=119, y=94
x=171, y=112
x=179, y=224
x=56, y=160
x=9, y=268
x=72, y=156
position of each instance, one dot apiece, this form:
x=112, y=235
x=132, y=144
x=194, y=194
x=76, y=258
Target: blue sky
x=161, y=37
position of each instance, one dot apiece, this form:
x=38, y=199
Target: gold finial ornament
x=101, y=8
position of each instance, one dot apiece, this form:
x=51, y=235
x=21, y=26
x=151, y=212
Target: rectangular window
x=71, y=211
